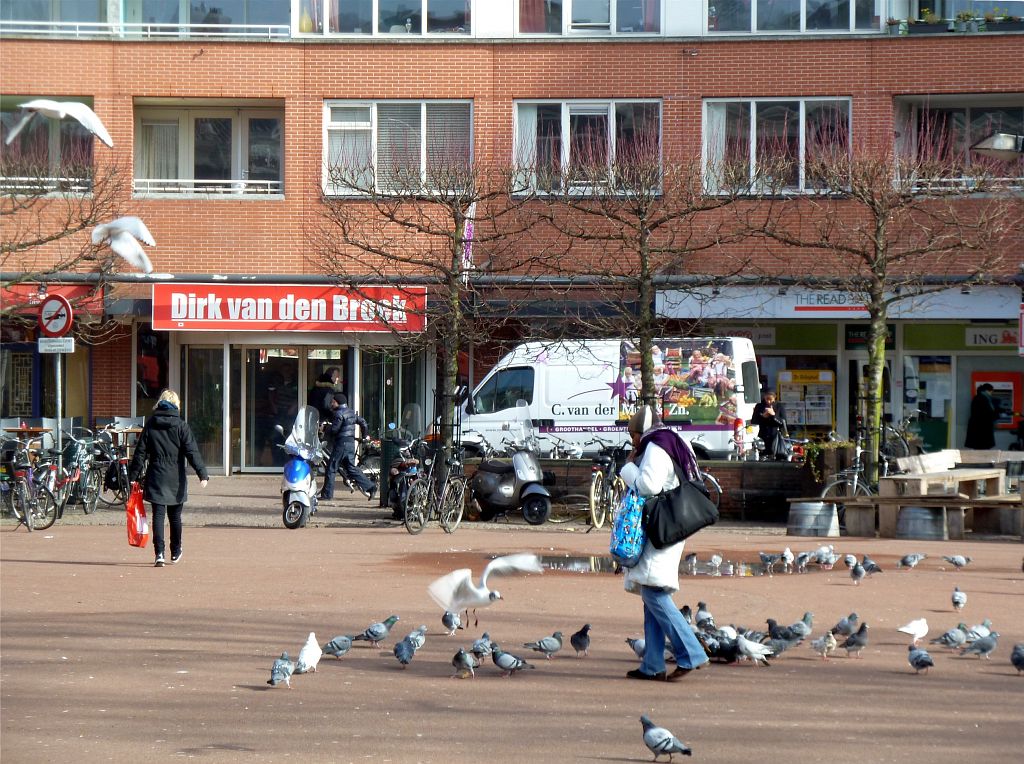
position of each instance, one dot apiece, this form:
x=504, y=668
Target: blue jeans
x=173, y=514
x=663, y=619
x=343, y=457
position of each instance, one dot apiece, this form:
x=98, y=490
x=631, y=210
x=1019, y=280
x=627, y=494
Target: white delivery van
x=578, y=390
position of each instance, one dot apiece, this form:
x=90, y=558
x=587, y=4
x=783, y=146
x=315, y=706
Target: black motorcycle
x=402, y=471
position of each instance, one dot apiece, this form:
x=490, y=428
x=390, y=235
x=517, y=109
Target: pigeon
x=954, y=638
x=660, y=741
x=281, y=671
x=580, y=640
x=919, y=659
x=979, y=630
x=417, y=637
x=123, y=236
x=703, y=615
x=827, y=562
x=309, y=655
x=404, y=651
x=787, y=558
x=1017, y=657
x=957, y=560
x=769, y=560
x=801, y=562
x=338, y=646
x=508, y=663
x=548, y=645
x=909, y=561
x=85, y=116
x=959, y=599
x=715, y=561
x=982, y=647
x=803, y=627
x=687, y=614
x=917, y=629
x=824, y=645
x=464, y=663
x=856, y=642
x=482, y=647
x=846, y=626
x=755, y=651
x=456, y=591
x=375, y=632
x=857, y=573
x=637, y=645
x=452, y=622
x=849, y=560
x=870, y=566
x=691, y=560
x=780, y=632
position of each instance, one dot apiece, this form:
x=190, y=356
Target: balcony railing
x=190, y=187
x=76, y=29
x=34, y=184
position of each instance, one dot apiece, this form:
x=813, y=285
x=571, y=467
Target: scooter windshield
x=304, y=439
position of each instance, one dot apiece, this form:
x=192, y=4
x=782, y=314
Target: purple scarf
x=672, y=443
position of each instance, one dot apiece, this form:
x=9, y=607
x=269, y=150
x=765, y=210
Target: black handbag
x=674, y=515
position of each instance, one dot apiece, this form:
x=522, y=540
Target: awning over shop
x=25, y=298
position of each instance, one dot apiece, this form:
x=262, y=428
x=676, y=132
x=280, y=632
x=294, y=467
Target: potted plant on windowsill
x=1007, y=24
x=894, y=26
x=930, y=23
x=966, y=22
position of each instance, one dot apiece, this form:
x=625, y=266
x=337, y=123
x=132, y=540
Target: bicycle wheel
x=454, y=503
x=91, y=493
x=894, y=445
x=417, y=506
x=712, y=487
x=42, y=508
x=114, y=496
x=19, y=504
x=844, y=488
x=603, y=506
x=596, y=497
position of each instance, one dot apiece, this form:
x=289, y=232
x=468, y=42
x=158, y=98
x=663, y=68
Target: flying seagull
x=59, y=110
x=456, y=591
x=123, y=236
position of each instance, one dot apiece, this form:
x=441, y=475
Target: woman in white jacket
x=656, y=577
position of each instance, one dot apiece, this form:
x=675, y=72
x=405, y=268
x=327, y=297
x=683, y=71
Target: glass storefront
x=204, y=401
x=271, y=399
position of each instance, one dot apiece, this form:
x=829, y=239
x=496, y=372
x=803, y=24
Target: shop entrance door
x=204, y=402
x=270, y=397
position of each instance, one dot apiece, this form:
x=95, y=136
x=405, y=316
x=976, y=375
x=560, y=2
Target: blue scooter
x=298, y=479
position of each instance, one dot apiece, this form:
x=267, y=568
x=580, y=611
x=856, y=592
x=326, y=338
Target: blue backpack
x=628, y=536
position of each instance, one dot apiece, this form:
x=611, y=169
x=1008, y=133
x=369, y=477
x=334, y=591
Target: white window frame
x=851, y=25
x=374, y=31
x=186, y=184
x=710, y=153
x=372, y=126
x=570, y=29
x=521, y=154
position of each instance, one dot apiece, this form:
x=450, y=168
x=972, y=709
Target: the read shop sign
x=273, y=307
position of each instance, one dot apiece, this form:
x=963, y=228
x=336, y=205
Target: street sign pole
x=55, y=320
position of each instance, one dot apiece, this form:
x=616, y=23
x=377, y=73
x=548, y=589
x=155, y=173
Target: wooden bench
x=996, y=515
x=1002, y=515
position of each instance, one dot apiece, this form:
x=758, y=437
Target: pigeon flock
x=457, y=593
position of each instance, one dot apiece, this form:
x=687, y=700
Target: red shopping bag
x=138, y=523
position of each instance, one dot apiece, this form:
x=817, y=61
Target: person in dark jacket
x=770, y=417
x=981, y=425
x=163, y=447
x=323, y=390
x=343, y=454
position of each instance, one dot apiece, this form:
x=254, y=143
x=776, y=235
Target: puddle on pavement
x=599, y=564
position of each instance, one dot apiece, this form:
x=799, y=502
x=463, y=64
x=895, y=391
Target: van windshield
x=503, y=389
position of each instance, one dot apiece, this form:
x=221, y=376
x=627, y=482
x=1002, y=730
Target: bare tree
x=629, y=217
x=449, y=223
x=887, y=225
x=47, y=210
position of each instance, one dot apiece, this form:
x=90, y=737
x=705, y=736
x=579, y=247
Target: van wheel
x=536, y=509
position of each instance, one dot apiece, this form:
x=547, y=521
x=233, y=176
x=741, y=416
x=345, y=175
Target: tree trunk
x=873, y=383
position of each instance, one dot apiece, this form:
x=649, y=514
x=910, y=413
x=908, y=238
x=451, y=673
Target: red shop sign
x=276, y=307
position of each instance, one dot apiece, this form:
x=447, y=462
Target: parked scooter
x=298, y=479
x=402, y=471
x=501, y=485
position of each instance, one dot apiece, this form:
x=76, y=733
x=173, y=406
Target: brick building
x=223, y=114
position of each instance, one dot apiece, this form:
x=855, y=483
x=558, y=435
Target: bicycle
x=29, y=501
x=850, y=483
x=427, y=500
x=72, y=480
x=711, y=486
x=894, y=442
x=606, y=487
x=110, y=462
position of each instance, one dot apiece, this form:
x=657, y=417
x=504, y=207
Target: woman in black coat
x=161, y=451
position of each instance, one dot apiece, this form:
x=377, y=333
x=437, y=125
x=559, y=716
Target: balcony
x=206, y=188
x=93, y=29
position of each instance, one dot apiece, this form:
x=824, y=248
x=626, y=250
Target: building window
x=209, y=151
x=756, y=145
x=54, y=11
x=385, y=16
x=397, y=146
x=47, y=154
x=556, y=141
x=793, y=15
x=590, y=16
